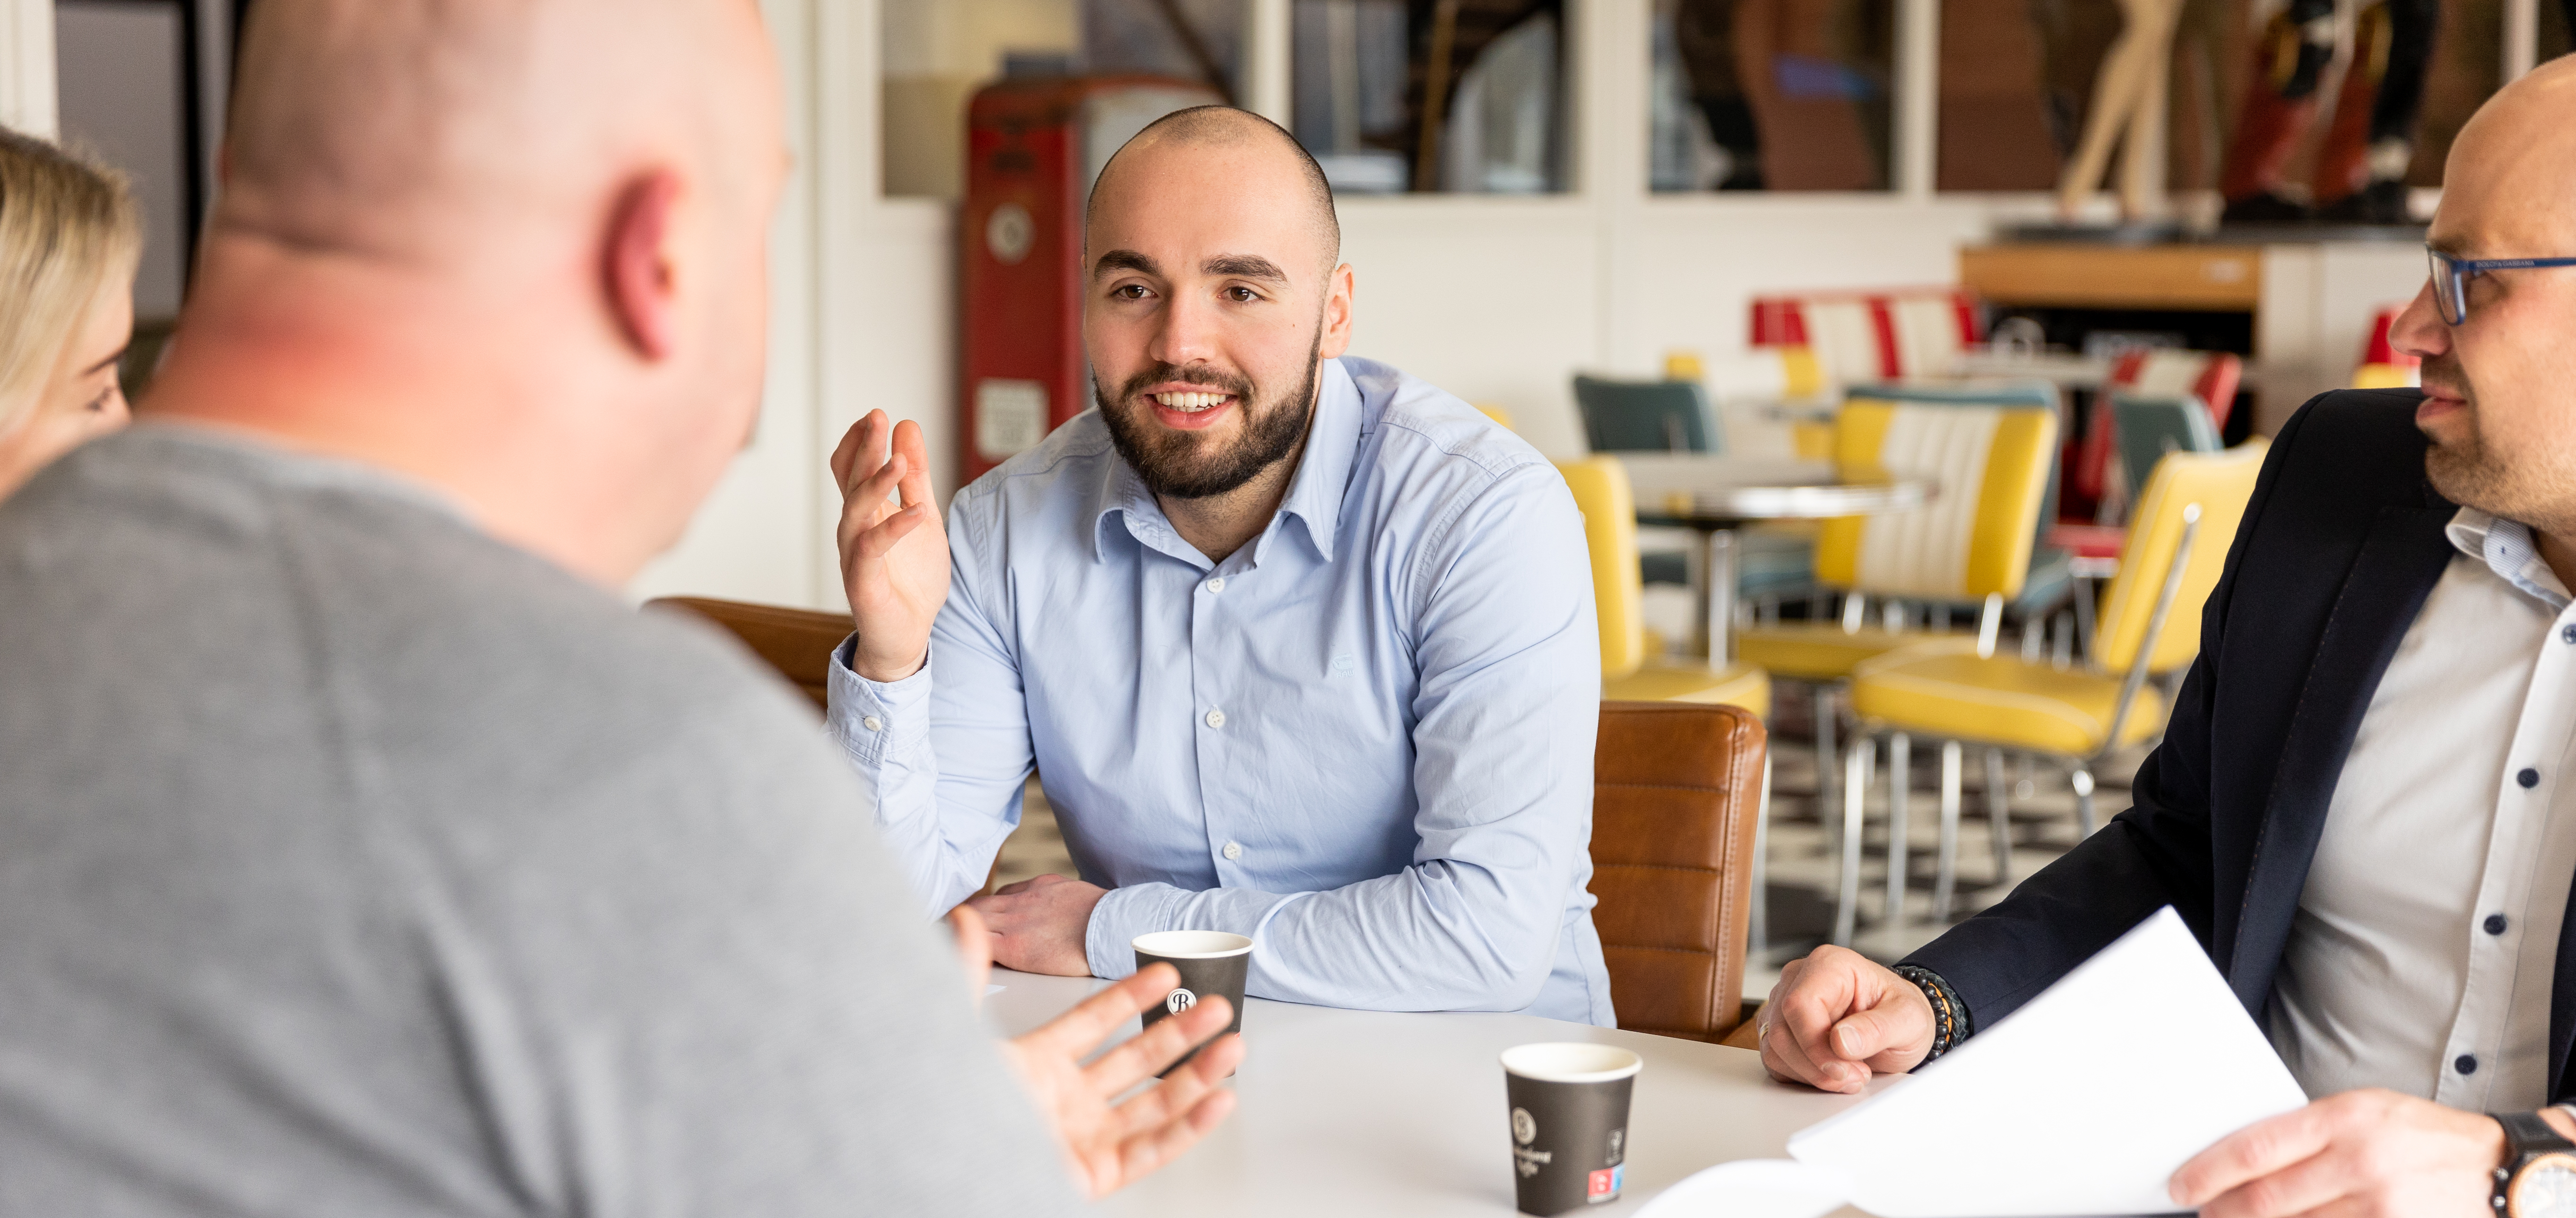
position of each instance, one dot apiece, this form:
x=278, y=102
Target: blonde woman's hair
x=66, y=225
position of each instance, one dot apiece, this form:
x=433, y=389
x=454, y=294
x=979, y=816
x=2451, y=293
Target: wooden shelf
x=2217, y=278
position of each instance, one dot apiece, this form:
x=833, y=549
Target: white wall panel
x=27, y=66
x=754, y=538
x=1491, y=299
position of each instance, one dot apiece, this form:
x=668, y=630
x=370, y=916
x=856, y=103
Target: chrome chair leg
x=2082, y=781
x=1820, y=700
x=1900, y=776
x=1999, y=815
x=1855, y=790
x=1945, y=876
x=1758, y=922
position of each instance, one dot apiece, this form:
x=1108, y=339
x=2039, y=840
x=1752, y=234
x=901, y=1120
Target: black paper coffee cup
x=1569, y=1123
x=1211, y=962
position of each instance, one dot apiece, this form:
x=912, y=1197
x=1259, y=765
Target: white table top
x=1368, y=1112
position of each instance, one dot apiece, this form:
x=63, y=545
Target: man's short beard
x=1172, y=465
x=2462, y=470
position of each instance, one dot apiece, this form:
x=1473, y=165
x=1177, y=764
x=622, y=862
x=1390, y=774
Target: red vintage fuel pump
x=1034, y=146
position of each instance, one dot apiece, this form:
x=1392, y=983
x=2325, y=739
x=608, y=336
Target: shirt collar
x=1324, y=473
x=2508, y=549
x=1314, y=493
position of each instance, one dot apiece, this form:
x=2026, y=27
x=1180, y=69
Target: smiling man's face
x=2500, y=389
x=1213, y=298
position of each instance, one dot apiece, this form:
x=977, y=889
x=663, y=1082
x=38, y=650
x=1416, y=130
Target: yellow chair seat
x=1943, y=688
x=1680, y=681
x=1817, y=651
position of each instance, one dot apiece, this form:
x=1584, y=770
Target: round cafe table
x=1715, y=497
x=1360, y=1113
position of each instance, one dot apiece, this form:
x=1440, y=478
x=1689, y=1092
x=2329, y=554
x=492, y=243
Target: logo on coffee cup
x=1178, y=1001
x=1524, y=1127
x=1616, y=1137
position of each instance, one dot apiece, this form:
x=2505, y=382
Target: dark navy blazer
x=2342, y=543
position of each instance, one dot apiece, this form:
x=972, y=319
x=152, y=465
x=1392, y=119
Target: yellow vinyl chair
x=1990, y=466
x=1628, y=672
x=1961, y=692
x=1971, y=543
x=1632, y=673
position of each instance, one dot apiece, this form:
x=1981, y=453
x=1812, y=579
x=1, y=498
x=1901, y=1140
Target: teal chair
x=1647, y=416
x=2150, y=427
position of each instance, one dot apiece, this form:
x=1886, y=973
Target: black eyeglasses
x=2451, y=278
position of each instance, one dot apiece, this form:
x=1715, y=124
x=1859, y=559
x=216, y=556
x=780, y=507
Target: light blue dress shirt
x=1364, y=739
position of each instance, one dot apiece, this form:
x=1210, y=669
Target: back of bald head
x=401, y=126
x=1227, y=127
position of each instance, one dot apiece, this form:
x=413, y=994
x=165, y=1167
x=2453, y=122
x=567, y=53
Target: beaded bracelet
x=1950, y=1023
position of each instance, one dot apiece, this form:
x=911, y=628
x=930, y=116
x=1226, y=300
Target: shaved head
x=1206, y=127
x=408, y=126
x=517, y=249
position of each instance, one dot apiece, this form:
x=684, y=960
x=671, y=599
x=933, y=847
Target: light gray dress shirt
x=2426, y=941
x=1364, y=739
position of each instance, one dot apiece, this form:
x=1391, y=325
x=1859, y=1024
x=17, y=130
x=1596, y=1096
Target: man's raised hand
x=896, y=580
x=1837, y=1017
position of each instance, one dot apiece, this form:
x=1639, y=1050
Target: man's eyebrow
x=1245, y=266
x=1126, y=260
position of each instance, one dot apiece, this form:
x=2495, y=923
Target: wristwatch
x=2538, y=1176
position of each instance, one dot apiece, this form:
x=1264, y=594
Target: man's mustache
x=1203, y=378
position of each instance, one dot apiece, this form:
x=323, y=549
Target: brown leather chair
x=796, y=642
x=1676, y=788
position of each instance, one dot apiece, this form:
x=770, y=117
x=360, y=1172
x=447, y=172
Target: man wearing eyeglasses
x=2365, y=803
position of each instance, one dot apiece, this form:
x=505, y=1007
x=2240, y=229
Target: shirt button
x=1216, y=718
x=1218, y=585
x=2467, y=1063
x=2567, y=634
x=2496, y=924
x=872, y=723
x=1233, y=850
x=2528, y=779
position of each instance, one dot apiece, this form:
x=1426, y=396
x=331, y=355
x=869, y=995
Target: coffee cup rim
x=1191, y=944
x=1571, y=1061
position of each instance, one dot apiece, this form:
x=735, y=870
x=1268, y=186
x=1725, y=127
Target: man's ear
x=1339, y=288
x=642, y=273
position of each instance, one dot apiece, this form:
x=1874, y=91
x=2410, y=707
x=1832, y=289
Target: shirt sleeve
x=944, y=816
x=1507, y=710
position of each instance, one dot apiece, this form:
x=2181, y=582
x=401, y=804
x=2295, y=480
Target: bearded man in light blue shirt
x=1301, y=648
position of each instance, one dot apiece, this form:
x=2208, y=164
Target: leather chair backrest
x=1675, y=790
x=796, y=642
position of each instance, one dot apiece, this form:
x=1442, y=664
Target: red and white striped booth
x=1873, y=336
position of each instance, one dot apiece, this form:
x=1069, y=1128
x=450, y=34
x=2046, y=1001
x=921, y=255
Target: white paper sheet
x=2083, y=1102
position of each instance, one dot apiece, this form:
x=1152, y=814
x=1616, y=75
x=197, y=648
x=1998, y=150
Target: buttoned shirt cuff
x=1121, y=915
x=1138, y=909
x=870, y=718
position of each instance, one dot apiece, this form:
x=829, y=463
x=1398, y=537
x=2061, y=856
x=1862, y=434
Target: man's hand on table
x=1105, y=1147
x=1040, y=925
x=1837, y=1016
x=2361, y=1153
x=896, y=581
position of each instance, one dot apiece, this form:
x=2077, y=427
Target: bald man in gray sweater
x=360, y=853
